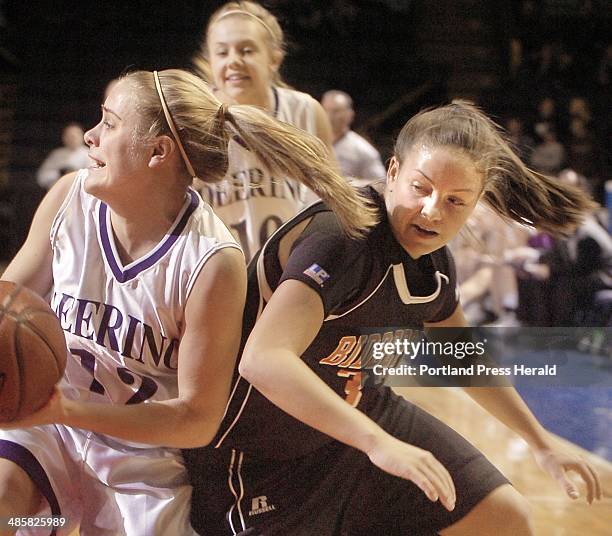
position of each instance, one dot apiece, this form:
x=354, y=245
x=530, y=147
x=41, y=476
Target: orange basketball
x=32, y=351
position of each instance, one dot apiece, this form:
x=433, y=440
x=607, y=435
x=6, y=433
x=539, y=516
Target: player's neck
x=140, y=229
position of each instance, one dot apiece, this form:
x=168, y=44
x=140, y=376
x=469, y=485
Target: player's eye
x=456, y=201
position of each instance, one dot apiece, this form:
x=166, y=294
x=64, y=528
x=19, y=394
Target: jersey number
x=147, y=388
x=264, y=232
x=352, y=388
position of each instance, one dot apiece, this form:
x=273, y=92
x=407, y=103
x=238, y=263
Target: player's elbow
x=248, y=367
x=251, y=366
x=199, y=426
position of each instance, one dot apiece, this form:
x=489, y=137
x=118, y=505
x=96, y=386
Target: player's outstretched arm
x=206, y=360
x=31, y=267
x=271, y=362
x=505, y=404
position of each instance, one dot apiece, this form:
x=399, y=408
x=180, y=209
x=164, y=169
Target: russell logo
x=259, y=505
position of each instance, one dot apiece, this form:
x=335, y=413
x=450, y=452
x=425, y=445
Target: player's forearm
x=285, y=380
x=505, y=404
x=171, y=423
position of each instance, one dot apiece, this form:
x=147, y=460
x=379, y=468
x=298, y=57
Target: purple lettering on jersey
x=171, y=363
x=128, y=343
x=104, y=324
x=256, y=183
x=240, y=191
x=62, y=310
x=156, y=354
x=294, y=188
x=82, y=319
x=248, y=183
x=106, y=327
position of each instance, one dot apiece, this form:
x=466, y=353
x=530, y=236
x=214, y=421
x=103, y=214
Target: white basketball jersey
x=249, y=200
x=123, y=323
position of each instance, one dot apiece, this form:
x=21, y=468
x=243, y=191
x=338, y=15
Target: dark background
x=394, y=57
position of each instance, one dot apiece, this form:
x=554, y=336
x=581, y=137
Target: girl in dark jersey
x=306, y=448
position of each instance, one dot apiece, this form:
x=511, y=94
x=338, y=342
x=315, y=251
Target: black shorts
x=336, y=490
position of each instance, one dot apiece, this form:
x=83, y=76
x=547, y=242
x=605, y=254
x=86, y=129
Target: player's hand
x=417, y=465
x=51, y=412
x=557, y=463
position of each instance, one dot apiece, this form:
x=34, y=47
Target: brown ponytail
x=510, y=188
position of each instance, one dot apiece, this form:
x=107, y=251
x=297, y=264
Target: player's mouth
x=236, y=78
x=97, y=164
x=424, y=232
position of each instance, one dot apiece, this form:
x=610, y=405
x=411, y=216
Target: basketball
x=32, y=351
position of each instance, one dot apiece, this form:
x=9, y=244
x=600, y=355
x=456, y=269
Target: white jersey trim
x=404, y=292
x=204, y=259
x=74, y=189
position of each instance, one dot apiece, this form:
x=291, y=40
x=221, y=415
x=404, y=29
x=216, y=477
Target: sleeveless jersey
x=251, y=201
x=123, y=323
x=372, y=291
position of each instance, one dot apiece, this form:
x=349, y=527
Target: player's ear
x=162, y=150
x=392, y=171
x=276, y=60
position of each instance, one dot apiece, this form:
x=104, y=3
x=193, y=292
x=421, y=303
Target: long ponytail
x=513, y=190
x=205, y=127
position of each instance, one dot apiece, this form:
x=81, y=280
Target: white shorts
x=101, y=485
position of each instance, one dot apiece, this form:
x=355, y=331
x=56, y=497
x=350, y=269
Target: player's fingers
x=449, y=482
x=421, y=480
x=590, y=481
x=558, y=473
x=598, y=491
x=442, y=482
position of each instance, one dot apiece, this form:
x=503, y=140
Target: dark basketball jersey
x=372, y=291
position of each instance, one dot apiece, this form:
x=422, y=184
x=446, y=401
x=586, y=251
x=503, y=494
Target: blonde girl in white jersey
x=149, y=287
x=241, y=55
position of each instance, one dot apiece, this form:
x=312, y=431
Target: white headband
x=252, y=15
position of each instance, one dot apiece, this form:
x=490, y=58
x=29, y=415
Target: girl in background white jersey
x=241, y=56
x=149, y=287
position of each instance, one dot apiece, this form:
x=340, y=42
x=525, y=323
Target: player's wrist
x=539, y=440
x=71, y=413
x=372, y=440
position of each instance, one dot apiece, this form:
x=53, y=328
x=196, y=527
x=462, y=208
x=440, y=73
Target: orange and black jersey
x=372, y=291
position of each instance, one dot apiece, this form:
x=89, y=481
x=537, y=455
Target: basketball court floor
x=555, y=514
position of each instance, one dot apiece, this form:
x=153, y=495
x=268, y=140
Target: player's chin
x=95, y=181
x=417, y=249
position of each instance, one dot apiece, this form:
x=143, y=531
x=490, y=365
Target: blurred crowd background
x=542, y=69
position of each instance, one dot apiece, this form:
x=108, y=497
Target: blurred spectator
x=70, y=157
x=604, y=70
x=523, y=143
x=546, y=119
x=358, y=159
x=579, y=108
x=566, y=282
x=487, y=285
x=583, y=155
x=549, y=155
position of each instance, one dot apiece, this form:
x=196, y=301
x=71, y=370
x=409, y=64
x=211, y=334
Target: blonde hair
x=513, y=190
x=274, y=36
x=205, y=127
